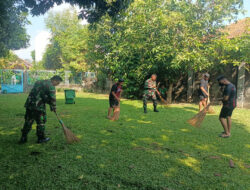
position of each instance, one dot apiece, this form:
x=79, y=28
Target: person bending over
x=42, y=93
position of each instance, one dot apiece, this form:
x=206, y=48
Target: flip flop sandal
x=225, y=136
x=222, y=133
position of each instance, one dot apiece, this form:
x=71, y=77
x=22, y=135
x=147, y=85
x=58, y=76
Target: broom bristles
x=163, y=100
x=70, y=137
x=211, y=110
x=198, y=118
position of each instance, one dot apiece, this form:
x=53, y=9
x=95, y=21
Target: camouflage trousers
x=148, y=96
x=40, y=118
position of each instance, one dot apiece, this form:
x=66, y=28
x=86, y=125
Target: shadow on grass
x=140, y=151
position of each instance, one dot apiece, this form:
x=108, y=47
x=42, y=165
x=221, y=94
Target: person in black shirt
x=203, y=91
x=229, y=103
x=114, y=100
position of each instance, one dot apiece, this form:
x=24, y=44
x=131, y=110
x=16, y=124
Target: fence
x=18, y=81
x=11, y=81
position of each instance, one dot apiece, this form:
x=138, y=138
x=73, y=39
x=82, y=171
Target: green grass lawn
x=152, y=151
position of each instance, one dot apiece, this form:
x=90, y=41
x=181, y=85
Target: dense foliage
x=68, y=43
x=10, y=61
x=91, y=10
x=165, y=37
x=13, y=15
x=158, y=36
x=13, y=18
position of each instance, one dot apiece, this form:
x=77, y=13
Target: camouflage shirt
x=42, y=93
x=150, y=87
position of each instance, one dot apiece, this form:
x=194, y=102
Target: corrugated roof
x=239, y=28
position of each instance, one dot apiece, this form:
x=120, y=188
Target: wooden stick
x=211, y=109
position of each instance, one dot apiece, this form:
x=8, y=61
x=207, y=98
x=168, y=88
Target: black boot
x=43, y=140
x=41, y=137
x=145, y=110
x=23, y=139
x=156, y=110
x=155, y=106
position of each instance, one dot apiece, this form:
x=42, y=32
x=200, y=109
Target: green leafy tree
x=5, y=62
x=52, y=57
x=13, y=18
x=158, y=36
x=33, y=56
x=68, y=43
x=11, y=61
x=91, y=10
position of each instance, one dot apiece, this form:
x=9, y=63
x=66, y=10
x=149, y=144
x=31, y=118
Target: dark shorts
x=226, y=112
x=113, y=103
x=202, y=97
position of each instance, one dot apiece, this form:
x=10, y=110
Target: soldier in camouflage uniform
x=42, y=93
x=149, y=92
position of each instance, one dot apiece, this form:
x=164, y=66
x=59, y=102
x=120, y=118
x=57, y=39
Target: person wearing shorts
x=203, y=91
x=229, y=103
x=114, y=100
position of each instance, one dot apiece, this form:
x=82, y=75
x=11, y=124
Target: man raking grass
x=42, y=93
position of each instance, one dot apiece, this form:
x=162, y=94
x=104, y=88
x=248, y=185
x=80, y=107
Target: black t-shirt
x=230, y=91
x=204, y=84
x=116, y=89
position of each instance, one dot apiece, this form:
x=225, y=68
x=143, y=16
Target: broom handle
x=60, y=121
x=208, y=101
x=159, y=94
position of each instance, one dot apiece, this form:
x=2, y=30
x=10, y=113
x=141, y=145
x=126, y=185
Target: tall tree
x=68, y=43
x=52, y=57
x=159, y=36
x=13, y=18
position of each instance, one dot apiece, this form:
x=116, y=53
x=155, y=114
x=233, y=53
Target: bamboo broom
x=161, y=98
x=210, y=109
x=199, y=117
x=70, y=137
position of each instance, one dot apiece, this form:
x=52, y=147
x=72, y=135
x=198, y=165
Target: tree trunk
x=241, y=85
x=170, y=91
